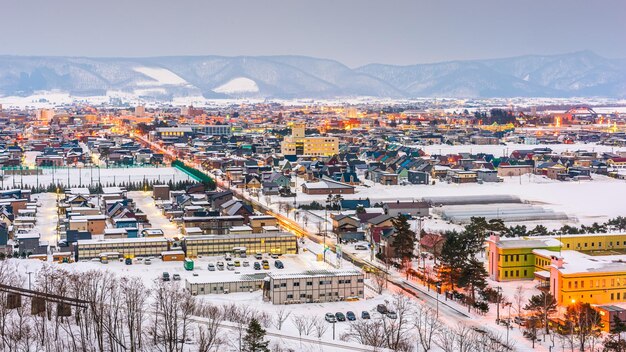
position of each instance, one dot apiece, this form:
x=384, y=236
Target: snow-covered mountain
x=577, y=74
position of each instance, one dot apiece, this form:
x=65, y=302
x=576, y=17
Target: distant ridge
x=561, y=76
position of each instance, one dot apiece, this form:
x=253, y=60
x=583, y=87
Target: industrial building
x=270, y=242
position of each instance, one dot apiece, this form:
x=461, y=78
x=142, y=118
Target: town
x=303, y=217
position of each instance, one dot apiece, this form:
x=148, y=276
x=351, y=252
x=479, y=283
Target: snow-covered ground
x=506, y=150
x=91, y=175
x=584, y=202
x=145, y=203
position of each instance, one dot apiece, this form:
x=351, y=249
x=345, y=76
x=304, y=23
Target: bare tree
x=396, y=330
x=209, y=338
x=366, y=332
x=427, y=325
x=519, y=300
x=379, y=279
x=281, y=316
x=320, y=326
x=173, y=307
x=300, y=322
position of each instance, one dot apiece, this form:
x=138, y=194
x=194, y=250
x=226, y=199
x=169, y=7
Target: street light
x=499, y=296
x=438, y=286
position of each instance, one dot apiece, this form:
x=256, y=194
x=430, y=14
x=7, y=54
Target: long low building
x=314, y=286
x=287, y=288
x=124, y=247
x=213, y=225
x=243, y=283
x=269, y=242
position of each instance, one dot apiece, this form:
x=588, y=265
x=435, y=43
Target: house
x=486, y=175
x=616, y=163
x=217, y=198
x=345, y=223
x=410, y=209
x=555, y=171
x=252, y=181
x=388, y=179
x=418, y=177
x=270, y=188
x=258, y=222
x=514, y=170
x=327, y=186
x=161, y=192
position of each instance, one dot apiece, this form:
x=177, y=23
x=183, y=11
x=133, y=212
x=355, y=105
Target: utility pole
x=29, y=285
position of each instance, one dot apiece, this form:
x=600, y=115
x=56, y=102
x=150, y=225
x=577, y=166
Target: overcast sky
x=351, y=31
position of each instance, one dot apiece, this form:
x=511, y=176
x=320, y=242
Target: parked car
x=340, y=317
x=128, y=261
x=220, y=265
x=211, y=267
x=392, y=315
x=365, y=314
x=279, y=265
x=176, y=277
x=275, y=256
x=330, y=317
x=230, y=266
x=350, y=315
x=246, y=263
x=257, y=266
x=237, y=263
x=258, y=256
x=519, y=320
x=266, y=266
x=228, y=257
x=166, y=276
x=381, y=308
x=360, y=247
x=147, y=261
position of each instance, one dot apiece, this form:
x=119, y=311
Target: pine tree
x=542, y=305
x=473, y=276
x=404, y=241
x=254, y=341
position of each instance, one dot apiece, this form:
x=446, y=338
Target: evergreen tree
x=473, y=276
x=542, y=305
x=254, y=341
x=404, y=241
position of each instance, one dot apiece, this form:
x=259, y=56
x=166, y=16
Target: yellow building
x=578, y=277
x=299, y=144
x=587, y=268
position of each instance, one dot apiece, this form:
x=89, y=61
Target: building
x=409, y=209
x=270, y=242
x=313, y=286
x=94, y=224
x=207, y=285
x=573, y=268
x=299, y=144
x=257, y=222
x=514, y=170
x=486, y=175
x=213, y=225
x=122, y=247
x=161, y=192
x=418, y=177
x=326, y=186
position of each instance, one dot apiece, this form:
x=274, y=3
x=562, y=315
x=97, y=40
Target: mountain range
x=568, y=75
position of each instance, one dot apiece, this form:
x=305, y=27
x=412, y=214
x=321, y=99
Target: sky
x=354, y=32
